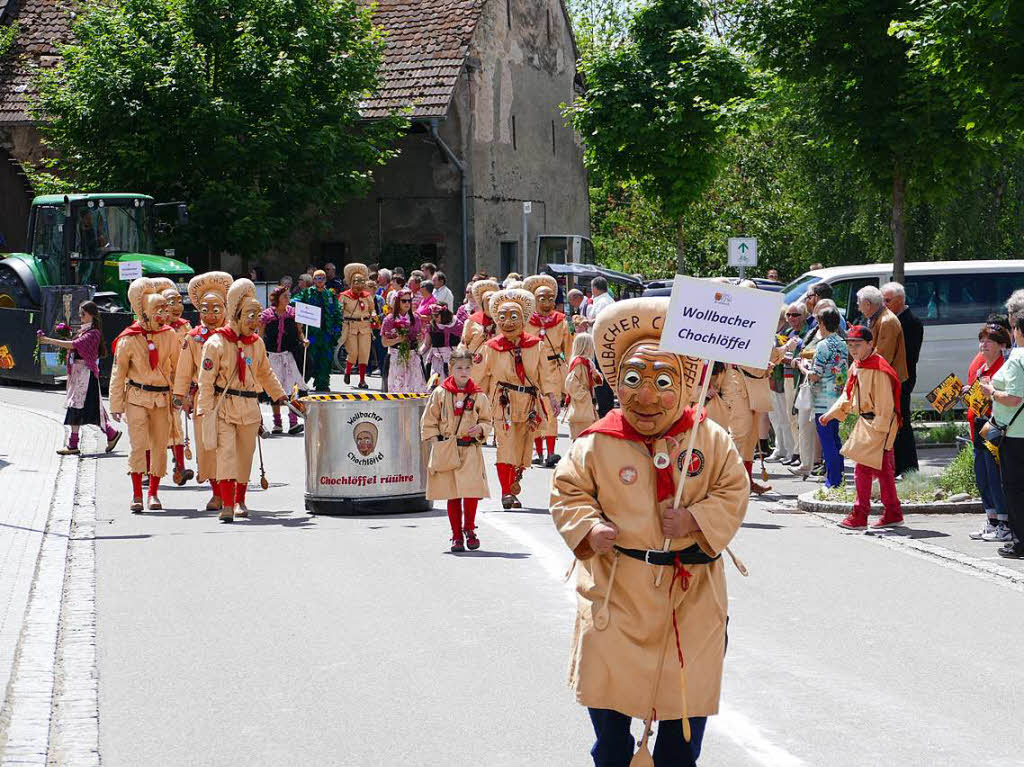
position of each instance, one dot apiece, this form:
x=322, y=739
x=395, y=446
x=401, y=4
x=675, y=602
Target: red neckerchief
x=546, y=321
x=877, y=362
x=586, y=363
x=449, y=385
x=350, y=293
x=487, y=323
x=238, y=340
x=136, y=329
x=615, y=425
x=178, y=322
x=525, y=341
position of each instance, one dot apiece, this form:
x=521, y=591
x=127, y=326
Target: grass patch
x=915, y=487
x=945, y=433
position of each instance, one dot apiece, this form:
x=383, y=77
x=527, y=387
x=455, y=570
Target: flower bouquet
x=61, y=331
x=402, y=327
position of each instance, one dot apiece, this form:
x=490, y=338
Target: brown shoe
x=227, y=515
x=241, y=510
x=507, y=501
x=179, y=477
x=154, y=504
x=69, y=451
x=214, y=504
x=136, y=506
x=759, y=488
x=112, y=442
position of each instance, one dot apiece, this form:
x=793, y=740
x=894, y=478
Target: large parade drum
x=364, y=455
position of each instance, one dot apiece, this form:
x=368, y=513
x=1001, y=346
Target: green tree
x=246, y=109
x=653, y=113
x=859, y=93
x=8, y=34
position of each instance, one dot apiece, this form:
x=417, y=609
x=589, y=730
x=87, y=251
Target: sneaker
x=472, y=542
x=348, y=378
x=887, y=521
x=552, y=461
x=988, y=529
x=363, y=385
x=457, y=543
x=819, y=470
x=297, y=429
x=1001, y=533
x=776, y=456
x=797, y=469
x=538, y=461
x=1010, y=551
x=278, y=429
x=854, y=522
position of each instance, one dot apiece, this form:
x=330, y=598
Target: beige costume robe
x=357, y=330
x=557, y=348
x=186, y=375
x=606, y=478
x=515, y=445
x=474, y=335
x=887, y=331
x=177, y=436
x=439, y=419
x=872, y=393
x=582, y=412
x=147, y=413
x=747, y=392
x=239, y=418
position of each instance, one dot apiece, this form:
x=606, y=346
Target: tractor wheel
x=13, y=293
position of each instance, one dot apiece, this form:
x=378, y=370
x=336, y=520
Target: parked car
x=951, y=298
x=664, y=287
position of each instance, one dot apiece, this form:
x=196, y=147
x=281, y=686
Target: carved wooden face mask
x=650, y=389
x=358, y=282
x=211, y=310
x=175, y=306
x=485, y=305
x=248, y=317
x=510, y=320
x=154, y=311
x=545, y=300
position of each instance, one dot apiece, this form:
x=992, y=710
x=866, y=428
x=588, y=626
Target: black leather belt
x=147, y=387
x=238, y=392
x=459, y=442
x=868, y=416
x=693, y=555
x=522, y=389
x=357, y=319
x=553, y=357
x=751, y=375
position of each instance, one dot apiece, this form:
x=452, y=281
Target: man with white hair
x=1015, y=305
x=895, y=298
x=885, y=329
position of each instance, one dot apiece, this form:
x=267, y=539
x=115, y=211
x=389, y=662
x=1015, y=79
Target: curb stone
x=807, y=502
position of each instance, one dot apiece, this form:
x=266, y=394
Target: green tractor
x=81, y=239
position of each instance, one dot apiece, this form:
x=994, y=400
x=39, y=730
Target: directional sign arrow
x=743, y=247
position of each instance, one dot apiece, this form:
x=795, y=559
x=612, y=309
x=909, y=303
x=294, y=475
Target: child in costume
x=145, y=355
x=234, y=370
x=580, y=384
x=873, y=392
x=208, y=294
x=285, y=343
x=549, y=324
x=84, y=401
x=458, y=411
x=180, y=326
x=357, y=306
x=641, y=644
x=522, y=389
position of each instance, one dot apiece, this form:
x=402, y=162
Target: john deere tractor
x=80, y=239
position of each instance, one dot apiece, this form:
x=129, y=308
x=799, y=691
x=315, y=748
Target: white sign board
x=720, y=322
x=527, y=207
x=742, y=251
x=129, y=270
x=307, y=314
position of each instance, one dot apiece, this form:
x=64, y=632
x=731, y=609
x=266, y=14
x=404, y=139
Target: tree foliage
x=248, y=110
x=652, y=113
x=8, y=34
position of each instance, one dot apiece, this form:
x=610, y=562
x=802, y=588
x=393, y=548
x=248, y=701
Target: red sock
x=348, y=368
x=504, y=477
x=227, y=492
x=240, y=492
x=136, y=485
x=538, y=445
x=154, y=485
x=362, y=373
x=551, y=445
x=147, y=462
x=455, y=516
x=750, y=469
x=213, y=487
x=469, y=513
x=179, y=455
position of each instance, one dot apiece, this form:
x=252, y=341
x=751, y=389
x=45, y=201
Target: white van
x=951, y=298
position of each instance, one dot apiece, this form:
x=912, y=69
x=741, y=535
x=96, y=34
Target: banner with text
x=721, y=322
x=307, y=314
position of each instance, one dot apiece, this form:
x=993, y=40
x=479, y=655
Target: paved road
x=290, y=639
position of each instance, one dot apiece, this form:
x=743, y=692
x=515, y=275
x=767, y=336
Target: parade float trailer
x=82, y=247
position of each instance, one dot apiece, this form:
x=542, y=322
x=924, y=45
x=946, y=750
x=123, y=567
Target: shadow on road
x=256, y=518
x=760, y=526
x=488, y=554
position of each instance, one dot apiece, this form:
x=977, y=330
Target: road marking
x=730, y=723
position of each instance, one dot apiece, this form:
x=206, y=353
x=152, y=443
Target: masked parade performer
x=323, y=339
x=145, y=355
x=479, y=326
x=642, y=645
x=873, y=392
x=234, y=370
x=357, y=307
x=522, y=389
x=180, y=326
x=208, y=294
x=581, y=383
x=455, y=425
x=549, y=324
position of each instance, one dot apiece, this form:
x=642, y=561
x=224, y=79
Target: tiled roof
x=427, y=42
x=426, y=47
x=42, y=26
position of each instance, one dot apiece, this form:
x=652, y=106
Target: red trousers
x=864, y=476
x=456, y=508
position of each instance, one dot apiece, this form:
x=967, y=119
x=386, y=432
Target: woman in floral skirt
x=401, y=333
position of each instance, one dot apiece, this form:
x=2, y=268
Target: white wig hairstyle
x=896, y=288
x=871, y=295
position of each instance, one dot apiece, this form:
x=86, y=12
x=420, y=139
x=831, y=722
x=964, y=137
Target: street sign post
x=742, y=253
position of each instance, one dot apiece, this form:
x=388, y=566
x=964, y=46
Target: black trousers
x=605, y=399
x=904, y=448
x=1011, y=471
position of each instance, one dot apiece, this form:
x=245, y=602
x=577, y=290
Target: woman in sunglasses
x=401, y=334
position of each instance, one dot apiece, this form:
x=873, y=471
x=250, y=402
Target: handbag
x=803, y=396
x=444, y=454
x=993, y=432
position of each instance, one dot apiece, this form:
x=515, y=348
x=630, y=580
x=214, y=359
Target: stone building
x=484, y=82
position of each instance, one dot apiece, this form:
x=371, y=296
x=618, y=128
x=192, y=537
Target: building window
x=508, y=12
x=509, y=258
x=552, y=137
x=515, y=144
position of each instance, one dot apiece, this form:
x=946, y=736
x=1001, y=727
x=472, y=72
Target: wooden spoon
x=601, y=616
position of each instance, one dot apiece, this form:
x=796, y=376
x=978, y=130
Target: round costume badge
x=543, y=332
x=696, y=463
x=207, y=364
x=661, y=460
x=151, y=346
x=628, y=475
x=477, y=359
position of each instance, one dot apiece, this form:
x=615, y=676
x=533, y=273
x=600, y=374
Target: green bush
x=847, y=426
x=958, y=477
